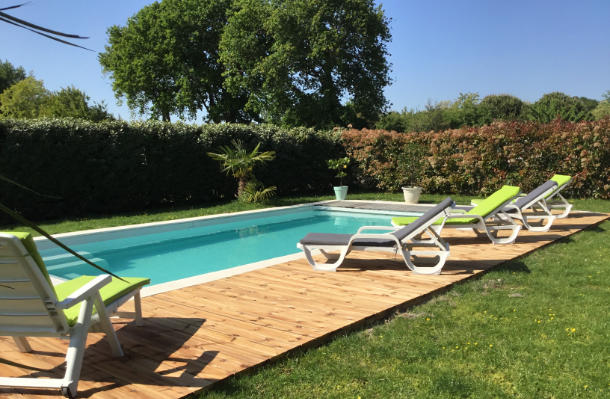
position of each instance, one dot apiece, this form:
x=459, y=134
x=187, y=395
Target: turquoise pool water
x=170, y=252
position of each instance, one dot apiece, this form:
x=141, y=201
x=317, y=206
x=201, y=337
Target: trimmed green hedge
x=117, y=166
x=480, y=160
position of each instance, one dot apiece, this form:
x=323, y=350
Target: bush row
x=479, y=160
x=116, y=166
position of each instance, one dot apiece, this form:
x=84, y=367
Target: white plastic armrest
x=85, y=291
x=363, y=228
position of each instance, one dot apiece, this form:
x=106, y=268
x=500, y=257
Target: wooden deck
x=195, y=336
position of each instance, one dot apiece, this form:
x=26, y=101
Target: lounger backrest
x=28, y=303
x=494, y=201
x=541, y=191
x=428, y=217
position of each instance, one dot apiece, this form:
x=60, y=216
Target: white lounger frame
x=403, y=246
x=560, y=202
x=535, y=215
x=29, y=307
x=491, y=224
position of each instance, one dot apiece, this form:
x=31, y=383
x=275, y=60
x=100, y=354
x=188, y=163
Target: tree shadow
x=157, y=353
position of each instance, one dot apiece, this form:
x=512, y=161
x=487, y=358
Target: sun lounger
x=403, y=240
x=30, y=306
x=555, y=200
x=487, y=217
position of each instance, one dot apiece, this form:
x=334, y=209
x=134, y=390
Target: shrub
x=116, y=166
x=480, y=160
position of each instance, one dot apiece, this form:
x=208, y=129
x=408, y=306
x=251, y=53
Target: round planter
x=340, y=192
x=411, y=194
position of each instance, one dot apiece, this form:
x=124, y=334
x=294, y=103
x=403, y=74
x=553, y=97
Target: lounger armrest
x=387, y=228
x=85, y=291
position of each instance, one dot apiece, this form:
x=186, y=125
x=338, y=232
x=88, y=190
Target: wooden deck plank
x=198, y=335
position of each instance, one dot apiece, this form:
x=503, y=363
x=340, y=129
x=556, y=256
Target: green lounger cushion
x=28, y=242
x=110, y=292
x=483, y=209
x=561, y=180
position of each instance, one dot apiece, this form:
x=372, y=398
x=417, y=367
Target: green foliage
x=239, y=162
x=480, y=160
x=559, y=105
x=467, y=110
x=24, y=99
x=255, y=192
x=603, y=108
x=71, y=102
x=501, y=107
x=9, y=75
x=115, y=166
x=340, y=166
x=165, y=61
x=29, y=99
x=296, y=60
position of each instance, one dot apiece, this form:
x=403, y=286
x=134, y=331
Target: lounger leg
x=562, y=204
x=325, y=266
x=442, y=254
x=76, y=350
x=137, y=304
x=23, y=344
x=106, y=327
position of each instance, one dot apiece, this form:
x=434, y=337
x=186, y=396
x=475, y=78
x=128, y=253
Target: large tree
x=9, y=75
x=165, y=61
x=559, y=105
x=300, y=61
x=71, y=102
x=23, y=99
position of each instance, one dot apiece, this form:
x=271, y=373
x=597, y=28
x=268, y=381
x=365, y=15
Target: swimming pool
x=176, y=250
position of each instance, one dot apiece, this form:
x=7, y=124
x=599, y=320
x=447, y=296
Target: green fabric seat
x=561, y=181
x=109, y=293
x=483, y=208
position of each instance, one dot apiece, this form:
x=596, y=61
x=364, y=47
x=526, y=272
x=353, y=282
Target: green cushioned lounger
x=31, y=306
x=487, y=216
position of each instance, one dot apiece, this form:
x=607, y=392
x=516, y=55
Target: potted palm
x=339, y=165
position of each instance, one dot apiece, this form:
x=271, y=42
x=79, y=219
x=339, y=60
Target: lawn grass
x=535, y=327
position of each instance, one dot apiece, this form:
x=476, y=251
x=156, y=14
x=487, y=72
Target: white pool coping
x=211, y=276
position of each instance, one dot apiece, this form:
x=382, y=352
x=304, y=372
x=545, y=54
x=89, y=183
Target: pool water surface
x=174, y=251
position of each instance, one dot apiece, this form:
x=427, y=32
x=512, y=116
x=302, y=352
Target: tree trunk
x=241, y=186
x=165, y=116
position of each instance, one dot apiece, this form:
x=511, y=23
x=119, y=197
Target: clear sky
x=439, y=48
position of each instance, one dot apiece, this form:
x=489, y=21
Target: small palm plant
x=239, y=162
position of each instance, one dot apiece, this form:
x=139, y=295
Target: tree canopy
x=23, y=99
x=165, y=61
x=9, y=75
x=298, y=61
x=29, y=99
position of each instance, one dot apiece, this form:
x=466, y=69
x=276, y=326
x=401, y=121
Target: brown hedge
x=479, y=160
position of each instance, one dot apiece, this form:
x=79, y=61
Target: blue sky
x=439, y=48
